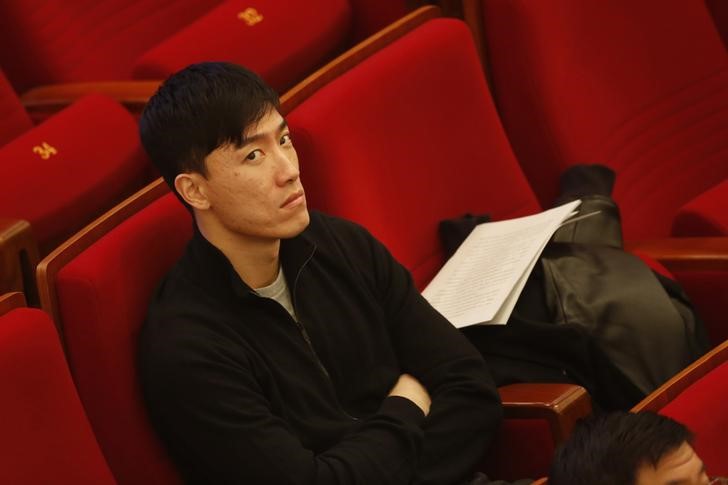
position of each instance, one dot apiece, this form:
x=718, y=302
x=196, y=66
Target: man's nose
x=287, y=163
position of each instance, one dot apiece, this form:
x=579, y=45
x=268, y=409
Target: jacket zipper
x=307, y=338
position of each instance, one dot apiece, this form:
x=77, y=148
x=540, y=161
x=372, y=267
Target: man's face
x=255, y=191
x=679, y=467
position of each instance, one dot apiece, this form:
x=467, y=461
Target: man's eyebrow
x=246, y=141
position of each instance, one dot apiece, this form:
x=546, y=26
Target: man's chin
x=297, y=224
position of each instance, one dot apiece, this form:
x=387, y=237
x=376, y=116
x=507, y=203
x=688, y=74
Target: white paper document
x=481, y=282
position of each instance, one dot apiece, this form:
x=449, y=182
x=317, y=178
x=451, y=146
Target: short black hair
x=609, y=449
x=198, y=109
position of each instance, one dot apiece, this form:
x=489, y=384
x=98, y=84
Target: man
x=288, y=347
x=628, y=449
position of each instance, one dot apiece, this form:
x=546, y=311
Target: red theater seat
x=60, y=175
x=696, y=397
x=96, y=286
x=46, y=437
x=391, y=138
x=638, y=86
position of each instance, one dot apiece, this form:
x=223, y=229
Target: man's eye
x=286, y=139
x=254, y=155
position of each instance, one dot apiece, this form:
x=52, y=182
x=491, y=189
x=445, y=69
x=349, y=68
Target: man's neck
x=255, y=260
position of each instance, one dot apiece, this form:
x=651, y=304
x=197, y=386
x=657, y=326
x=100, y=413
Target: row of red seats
x=54, y=41
x=388, y=164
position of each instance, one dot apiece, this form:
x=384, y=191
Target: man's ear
x=191, y=187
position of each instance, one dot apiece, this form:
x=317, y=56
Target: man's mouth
x=294, y=200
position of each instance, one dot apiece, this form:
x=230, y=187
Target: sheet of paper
x=485, y=276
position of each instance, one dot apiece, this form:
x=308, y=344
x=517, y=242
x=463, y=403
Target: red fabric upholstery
x=702, y=408
x=639, y=86
x=103, y=296
x=14, y=120
x=52, y=41
x=98, y=161
x=400, y=143
x=283, y=47
x=46, y=437
x=705, y=215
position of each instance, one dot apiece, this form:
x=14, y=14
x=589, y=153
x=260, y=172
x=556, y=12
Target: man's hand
x=410, y=388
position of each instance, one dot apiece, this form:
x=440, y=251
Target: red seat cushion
x=637, y=86
x=14, y=120
x=280, y=42
x=94, y=159
x=46, y=437
x=407, y=138
x=103, y=295
x=705, y=215
x=702, y=408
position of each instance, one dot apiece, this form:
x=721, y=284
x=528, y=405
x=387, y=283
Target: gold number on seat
x=250, y=16
x=44, y=150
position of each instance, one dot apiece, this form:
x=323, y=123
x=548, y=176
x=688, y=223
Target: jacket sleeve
x=206, y=403
x=466, y=409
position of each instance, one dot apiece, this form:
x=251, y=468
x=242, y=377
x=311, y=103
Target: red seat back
x=46, y=437
x=696, y=397
x=67, y=171
x=702, y=408
x=639, y=86
x=102, y=295
x=407, y=138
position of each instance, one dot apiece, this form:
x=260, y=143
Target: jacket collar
x=211, y=269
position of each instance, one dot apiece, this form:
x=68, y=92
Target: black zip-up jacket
x=242, y=393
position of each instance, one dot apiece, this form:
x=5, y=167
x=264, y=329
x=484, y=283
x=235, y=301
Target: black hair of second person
x=609, y=449
x=199, y=109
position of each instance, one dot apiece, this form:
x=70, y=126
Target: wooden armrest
x=11, y=301
x=541, y=481
x=43, y=101
x=18, y=256
x=686, y=253
x=559, y=404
